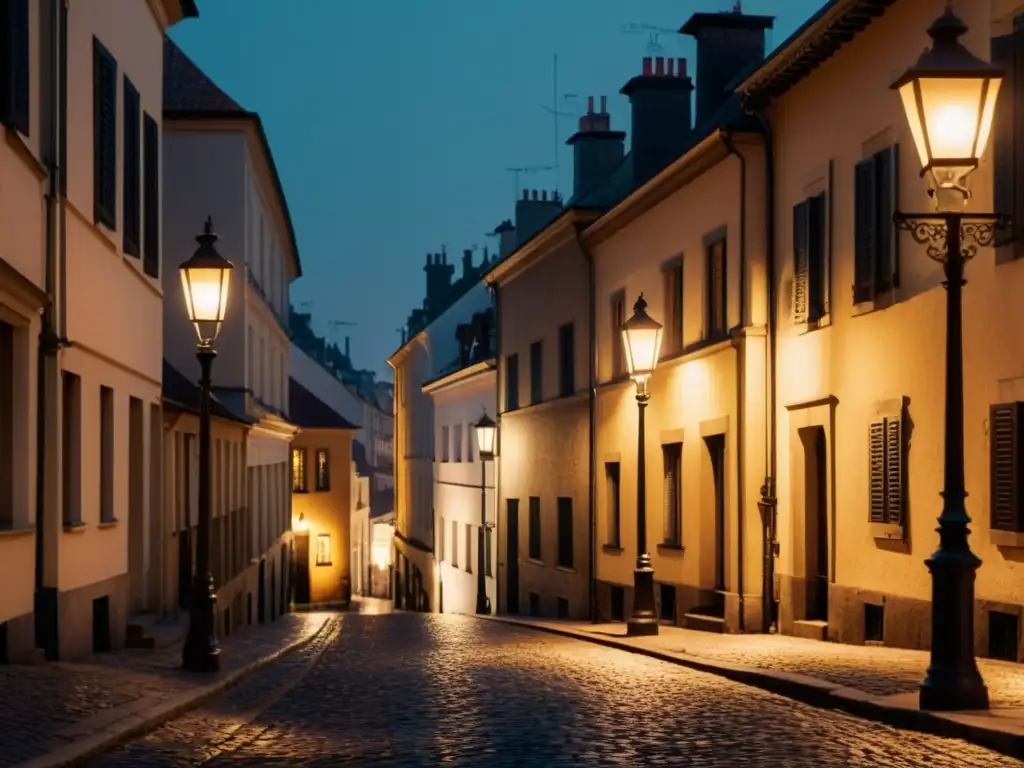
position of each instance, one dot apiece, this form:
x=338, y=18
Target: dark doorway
x=101, y=625
x=815, y=522
x=716, y=451
x=302, y=569
x=512, y=555
x=261, y=594
x=185, y=568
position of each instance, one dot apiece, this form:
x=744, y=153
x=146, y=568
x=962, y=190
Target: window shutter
x=104, y=136
x=865, y=235
x=14, y=66
x=894, y=471
x=817, y=270
x=151, y=198
x=1005, y=465
x=1004, y=54
x=132, y=171
x=800, y=266
x=672, y=456
x=886, y=260
x=876, y=502
x=1017, y=168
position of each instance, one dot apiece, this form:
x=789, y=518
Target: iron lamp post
x=641, y=336
x=949, y=97
x=486, y=437
x=204, y=279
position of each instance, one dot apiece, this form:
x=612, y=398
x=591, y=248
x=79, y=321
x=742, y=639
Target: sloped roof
x=309, y=411
x=179, y=392
x=188, y=89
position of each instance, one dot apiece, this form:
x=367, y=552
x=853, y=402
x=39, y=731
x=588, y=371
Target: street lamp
x=949, y=97
x=204, y=280
x=486, y=434
x=641, y=335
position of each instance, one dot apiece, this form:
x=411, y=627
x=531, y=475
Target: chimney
x=596, y=148
x=439, y=282
x=467, y=262
x=660, y=98
x=348, y=355
x=506, y=238
x=727, y=44
x=533, y=213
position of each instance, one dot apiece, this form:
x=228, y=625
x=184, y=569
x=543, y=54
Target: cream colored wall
x=865, y=357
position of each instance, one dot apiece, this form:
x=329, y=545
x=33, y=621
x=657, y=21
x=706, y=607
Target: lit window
x=323, y=549
x=298, y=470
x=323, y=472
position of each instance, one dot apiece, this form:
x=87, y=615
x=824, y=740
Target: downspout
x=592, y=427
x=769, y=502
x=740, y=344
x=496, y=555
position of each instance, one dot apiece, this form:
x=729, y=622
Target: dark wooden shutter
x=565, y=532
x=567, y=360
x=886, y=198
x=104, y=125
x=876, y=493
x=800, y=267
x=1018, y=133
x=132, y=173
x=865, y=234
x=151, y=198
x=817, y=250
x=536, y=372
x=894, y=471
x=1004, y=125
x=1005, y=467
x=14, y=65
x=535, y=550
x=511, y=382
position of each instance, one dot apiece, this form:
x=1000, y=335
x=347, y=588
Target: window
x=1005, y=457
x=14, y=65
x=444, y=443
x=535, y=550
x=876, y=258
x=565, y=540
x=455, y=544
x=487, y=551
x=611, y=475
x=673, y=279
x=132, y=172
x=536, y=373
x=323, y=549
x=511, y=382
x=299, y=470
x=469, y=548
x=567, y=360
x=106, y=455
x=323, y=470
x=470, y=441
x=810, y=266
x=887, y=479
x=672, y=458
x=104, y=126
x=440, y=542
x=457, y=434
x=7, y=365
x=1007, y=137
x=716, y=287
x=618, y=317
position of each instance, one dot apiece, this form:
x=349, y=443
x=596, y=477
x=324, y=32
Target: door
x=716, y=449
x=261, y=594
x=512, y=555
x=815, y=522
x=302, y=569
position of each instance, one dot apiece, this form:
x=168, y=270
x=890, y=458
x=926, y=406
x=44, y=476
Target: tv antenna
x=335, y=325
x=653, y=33
x=526, y=169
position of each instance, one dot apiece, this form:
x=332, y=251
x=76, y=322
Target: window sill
x=800, y=329
x=324, y=565
x=566, y=569
x=323, y=490
x=299, y=490
x=18, y=531
x=108, y=524
x=612, y=549
x=886, y=531
x=76, y=526
x=667, y=546
x=535, y=561
x=882, y=300
x=1010, y=539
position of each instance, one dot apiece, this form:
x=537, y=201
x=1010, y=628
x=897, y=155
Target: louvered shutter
x=1018, y=132
x=131, y=184
x=104, y=136
x=800, y=266
x=817, y=268
x=1004, y=469
x=887, y=256
x=151, y=199
x=1004, y=126
x=894, y=471
x=14, y=65
x=865, y=234
x=876, y=443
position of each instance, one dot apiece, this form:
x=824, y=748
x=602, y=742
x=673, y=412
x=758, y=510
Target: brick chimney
x=660, y=97
x=467, y=262
x=534, y=211
x=506, y=238
x=727, y=44
x=439, y=282
x=596, y=148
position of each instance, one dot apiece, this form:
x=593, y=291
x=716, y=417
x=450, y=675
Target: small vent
x=617, y=610
x=563, y=608
x=874, y=623
x=1003, y=635
x=534, y=604
x=668, y=603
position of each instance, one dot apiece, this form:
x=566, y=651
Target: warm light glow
x=300, y=523
x=381, y=555
x=486, y=434
x=204, y=281
x=641, y=337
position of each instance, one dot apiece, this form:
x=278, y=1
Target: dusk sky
x=393, y=123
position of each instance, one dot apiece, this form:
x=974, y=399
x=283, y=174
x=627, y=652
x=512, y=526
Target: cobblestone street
x=426, y=690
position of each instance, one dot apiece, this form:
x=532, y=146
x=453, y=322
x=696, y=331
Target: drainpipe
x=496, y=295
x=592, y=428
x=740, y=344
x=769, y=502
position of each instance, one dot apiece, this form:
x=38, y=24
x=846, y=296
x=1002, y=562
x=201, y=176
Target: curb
x=816, y=693
x=132, y=726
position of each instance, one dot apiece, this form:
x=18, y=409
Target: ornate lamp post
x=949, y=97
x=642, y=339
x=486, y=435
x=204, y=279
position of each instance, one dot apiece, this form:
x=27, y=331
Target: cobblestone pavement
x=412, y=690
x=45, y=707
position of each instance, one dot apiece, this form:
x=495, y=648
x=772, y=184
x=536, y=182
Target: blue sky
x=392, y=123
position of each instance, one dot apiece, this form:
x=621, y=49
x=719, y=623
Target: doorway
x=302, y=569
x=512, y=555
x=136, y=504
x=716, y=452
x=815, y=539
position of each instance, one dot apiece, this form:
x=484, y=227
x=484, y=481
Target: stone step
x=811, y=629
x=704, y=622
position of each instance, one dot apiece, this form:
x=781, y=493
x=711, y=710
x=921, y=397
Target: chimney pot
x=428, y=259
x=681, y=70
x=604, y=104
x=647, y=66
x=659, y=66
x=670, y=67
x=544, y=195
x=590, y=105
x=533, y=194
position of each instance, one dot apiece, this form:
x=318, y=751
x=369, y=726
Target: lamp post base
x=643, y=620
x=201, y=653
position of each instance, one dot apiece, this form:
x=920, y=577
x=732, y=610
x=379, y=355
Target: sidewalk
x=871, y=681
x=55, y=713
